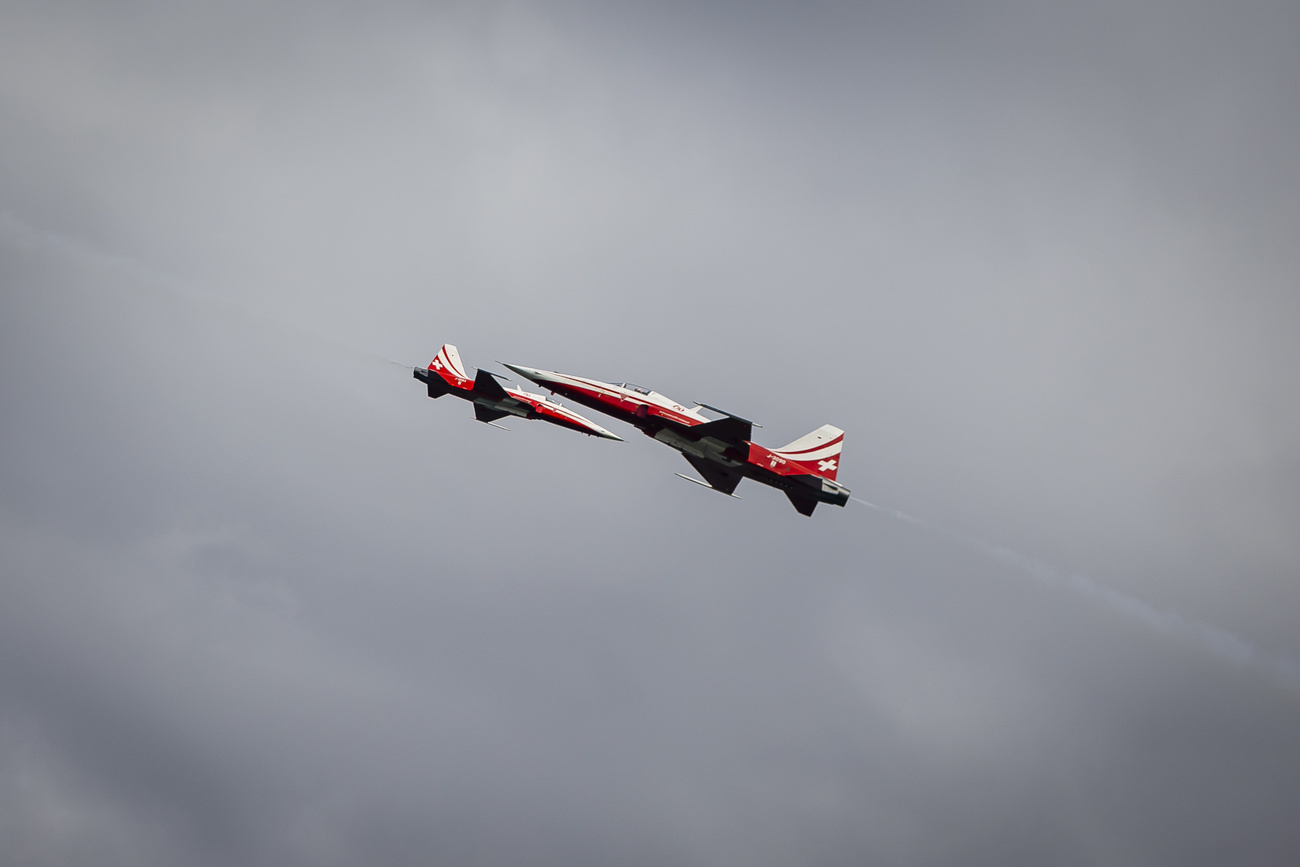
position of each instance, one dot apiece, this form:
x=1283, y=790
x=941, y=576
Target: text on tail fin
x=447, y=364
x=817, y=452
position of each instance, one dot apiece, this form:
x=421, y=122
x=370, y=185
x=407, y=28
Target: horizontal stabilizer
x=804, y=505
x=436, y=385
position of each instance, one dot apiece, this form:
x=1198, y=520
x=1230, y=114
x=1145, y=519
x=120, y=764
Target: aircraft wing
x=482, y=413
x=487, y=385
x=720, y=478
x=804, y=505
x=728, y=431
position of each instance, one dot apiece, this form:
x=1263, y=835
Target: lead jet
x=720, y=450
x=492, y=401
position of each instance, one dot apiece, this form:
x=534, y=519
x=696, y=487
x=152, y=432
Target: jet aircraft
x=720, y=450
x=492, y=400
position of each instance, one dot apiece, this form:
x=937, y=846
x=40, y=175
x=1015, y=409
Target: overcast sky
x=262, y=602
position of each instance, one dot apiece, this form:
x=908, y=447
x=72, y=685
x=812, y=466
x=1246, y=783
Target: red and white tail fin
x=817, y=452
x=447, y=365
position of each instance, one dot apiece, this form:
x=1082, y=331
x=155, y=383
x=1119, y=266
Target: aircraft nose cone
x=607, y=435
x=528, y=372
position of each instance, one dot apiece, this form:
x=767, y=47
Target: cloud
x=264, y=602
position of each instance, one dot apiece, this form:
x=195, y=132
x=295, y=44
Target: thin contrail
x=1214, y=640
x=24, y=235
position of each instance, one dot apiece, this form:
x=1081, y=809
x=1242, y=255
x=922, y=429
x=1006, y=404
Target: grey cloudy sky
x=263, y=603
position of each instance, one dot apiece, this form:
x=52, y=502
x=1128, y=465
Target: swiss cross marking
x=437, y=365
x=826, y=466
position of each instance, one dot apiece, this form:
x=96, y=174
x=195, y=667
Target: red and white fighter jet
x=492, y=400
x=720, y=450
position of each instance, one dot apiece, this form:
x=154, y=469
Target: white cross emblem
x=826, y=466
x=437, y=365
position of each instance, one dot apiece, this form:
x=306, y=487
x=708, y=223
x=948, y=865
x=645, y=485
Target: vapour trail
x=26, y=236
x=1217, y=641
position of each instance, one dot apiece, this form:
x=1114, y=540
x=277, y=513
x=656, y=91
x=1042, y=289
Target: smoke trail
x=24, y=235
x=1214, y=640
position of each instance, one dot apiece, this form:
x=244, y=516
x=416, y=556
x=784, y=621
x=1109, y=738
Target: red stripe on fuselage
x=777, y=463
x=615, y=401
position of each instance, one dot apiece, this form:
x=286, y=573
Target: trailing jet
x=492, y=400
x=720, y=450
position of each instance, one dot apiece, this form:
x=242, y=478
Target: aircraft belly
x=510, y=407
x=683, y=445
x=706, y=448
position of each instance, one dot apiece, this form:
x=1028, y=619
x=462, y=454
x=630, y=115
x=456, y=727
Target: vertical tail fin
x=817, y=452
x=447, y=365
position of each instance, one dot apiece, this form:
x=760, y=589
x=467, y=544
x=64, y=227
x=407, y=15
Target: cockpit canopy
x=635, y=388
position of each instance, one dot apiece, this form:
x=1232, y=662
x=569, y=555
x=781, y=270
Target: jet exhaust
x=1218, y=642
